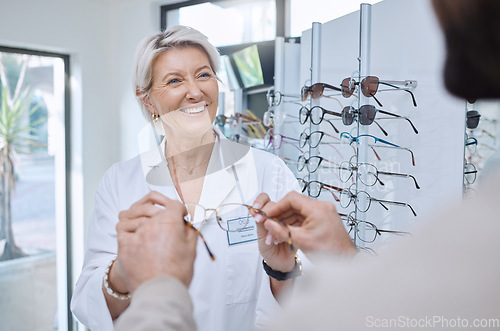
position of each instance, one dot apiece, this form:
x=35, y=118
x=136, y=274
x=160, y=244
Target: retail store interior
x=348, y=94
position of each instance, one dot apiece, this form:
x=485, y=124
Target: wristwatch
x=278, y=275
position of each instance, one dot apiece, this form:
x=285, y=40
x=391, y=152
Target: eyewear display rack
x=362, y=146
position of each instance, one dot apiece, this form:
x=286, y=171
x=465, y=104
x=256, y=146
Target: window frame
x=67, y=277
x=280, y=13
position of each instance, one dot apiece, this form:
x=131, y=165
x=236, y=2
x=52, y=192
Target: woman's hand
x=315, y=225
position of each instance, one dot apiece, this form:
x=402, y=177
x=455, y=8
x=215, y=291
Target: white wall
x=406, y=43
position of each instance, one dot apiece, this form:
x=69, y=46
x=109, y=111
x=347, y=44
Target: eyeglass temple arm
x=188, y=224
x=331, y=87
x=297, y=147
x=333, y=126
x=404, y=148
x=401, y=175
x=399, y=116
x=396, y=203
x=381, y=128
x=399, y=88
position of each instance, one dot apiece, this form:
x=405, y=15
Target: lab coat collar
x=226, y=159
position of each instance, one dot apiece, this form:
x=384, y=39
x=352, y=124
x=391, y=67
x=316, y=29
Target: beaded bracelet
x=109, y=288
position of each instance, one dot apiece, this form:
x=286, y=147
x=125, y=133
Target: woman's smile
x=193, y=109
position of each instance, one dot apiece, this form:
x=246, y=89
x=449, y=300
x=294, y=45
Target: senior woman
x=176, y=84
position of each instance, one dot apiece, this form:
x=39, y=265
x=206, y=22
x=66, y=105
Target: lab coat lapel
x=156, y=172
x=227, y=156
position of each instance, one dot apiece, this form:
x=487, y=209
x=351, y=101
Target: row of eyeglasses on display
x=349, y=171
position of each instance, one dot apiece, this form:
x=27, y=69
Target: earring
x=157, y=128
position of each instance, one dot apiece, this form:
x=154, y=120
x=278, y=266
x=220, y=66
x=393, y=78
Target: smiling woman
x=175, y=81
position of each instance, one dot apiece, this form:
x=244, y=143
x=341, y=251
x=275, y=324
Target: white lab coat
x=224, y=291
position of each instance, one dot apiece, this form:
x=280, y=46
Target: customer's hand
x=315, y=225
x=161, y=246
x=142, y=211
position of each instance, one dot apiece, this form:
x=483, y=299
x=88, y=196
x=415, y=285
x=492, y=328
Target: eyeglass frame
x=351, y=84
x=352, y=222
x=250, y=209
x=327, y=187
x=354, y=166
x=352, y=138
x=270, y=138
x=353, y=196
x=357, y=115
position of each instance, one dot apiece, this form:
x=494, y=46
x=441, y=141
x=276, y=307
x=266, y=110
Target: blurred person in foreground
x=446, y=275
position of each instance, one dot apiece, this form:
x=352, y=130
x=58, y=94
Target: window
x=304, y=13
x=33, y=203
x=225, y=23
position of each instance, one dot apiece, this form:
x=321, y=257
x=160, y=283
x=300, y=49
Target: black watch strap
x=278, y=275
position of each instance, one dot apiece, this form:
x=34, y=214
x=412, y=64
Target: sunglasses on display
x=366, y=116
x=370, y=84
x=472, y=120
x=316, y=91
x=367, y=173
x=362, y=200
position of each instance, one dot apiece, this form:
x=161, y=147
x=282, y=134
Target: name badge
x=248, y=233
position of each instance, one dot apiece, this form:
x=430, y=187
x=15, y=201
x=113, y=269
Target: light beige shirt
x=447, y=275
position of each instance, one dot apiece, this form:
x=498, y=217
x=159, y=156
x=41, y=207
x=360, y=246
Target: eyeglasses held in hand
x=316, y=90
x=367, y=173
x=366, y=116
x=363, y=200
x=370, y=84
x=472, y=120
x=370, y=232
x=347, y=135
x=186, y=221
x=224, y=214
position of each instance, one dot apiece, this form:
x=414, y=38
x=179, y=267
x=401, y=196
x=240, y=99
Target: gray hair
x=151, y=47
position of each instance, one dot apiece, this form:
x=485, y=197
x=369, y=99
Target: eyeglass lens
x=473, y=117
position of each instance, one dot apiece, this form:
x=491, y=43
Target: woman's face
x=185, y=91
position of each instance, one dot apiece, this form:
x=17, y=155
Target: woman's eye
x=173, y=81
x=205, y=75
